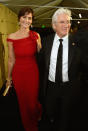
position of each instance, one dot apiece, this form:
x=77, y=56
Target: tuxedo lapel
x=70, y=50
x=49, y=49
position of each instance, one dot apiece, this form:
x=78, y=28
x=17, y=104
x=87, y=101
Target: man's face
x=62, y=26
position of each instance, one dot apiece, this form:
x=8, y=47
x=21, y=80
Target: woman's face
x=26, y=20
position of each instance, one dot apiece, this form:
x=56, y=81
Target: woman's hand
x=8, y=82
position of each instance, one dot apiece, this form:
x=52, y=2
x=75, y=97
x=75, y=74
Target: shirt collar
x=57, y=37
x=65, y=37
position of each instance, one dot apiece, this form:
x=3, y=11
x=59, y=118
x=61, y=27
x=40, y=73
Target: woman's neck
x=24, y=30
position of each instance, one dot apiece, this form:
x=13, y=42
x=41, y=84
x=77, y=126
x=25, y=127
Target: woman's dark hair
x=25, y=10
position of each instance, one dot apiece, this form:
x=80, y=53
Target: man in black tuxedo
x=60, y=88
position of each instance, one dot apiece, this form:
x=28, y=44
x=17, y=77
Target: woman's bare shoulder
x=12, y=35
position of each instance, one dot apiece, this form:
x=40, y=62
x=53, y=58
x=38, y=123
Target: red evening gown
x=25, y=77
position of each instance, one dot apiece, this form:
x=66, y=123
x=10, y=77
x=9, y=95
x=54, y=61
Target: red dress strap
x=9, y=40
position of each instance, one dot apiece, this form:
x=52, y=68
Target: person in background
x=82, y=41
x=23, y=70
x=60, y=89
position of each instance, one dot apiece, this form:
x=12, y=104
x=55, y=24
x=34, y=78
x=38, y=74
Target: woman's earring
x=31, y=26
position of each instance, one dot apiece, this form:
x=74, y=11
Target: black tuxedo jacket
x=82, y=41
x=74, y=59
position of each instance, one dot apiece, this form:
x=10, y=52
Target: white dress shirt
x=53, y=59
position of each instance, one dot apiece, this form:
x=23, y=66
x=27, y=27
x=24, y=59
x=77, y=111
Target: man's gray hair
x=60, y=11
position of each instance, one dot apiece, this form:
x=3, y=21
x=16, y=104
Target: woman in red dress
x=23, y=69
